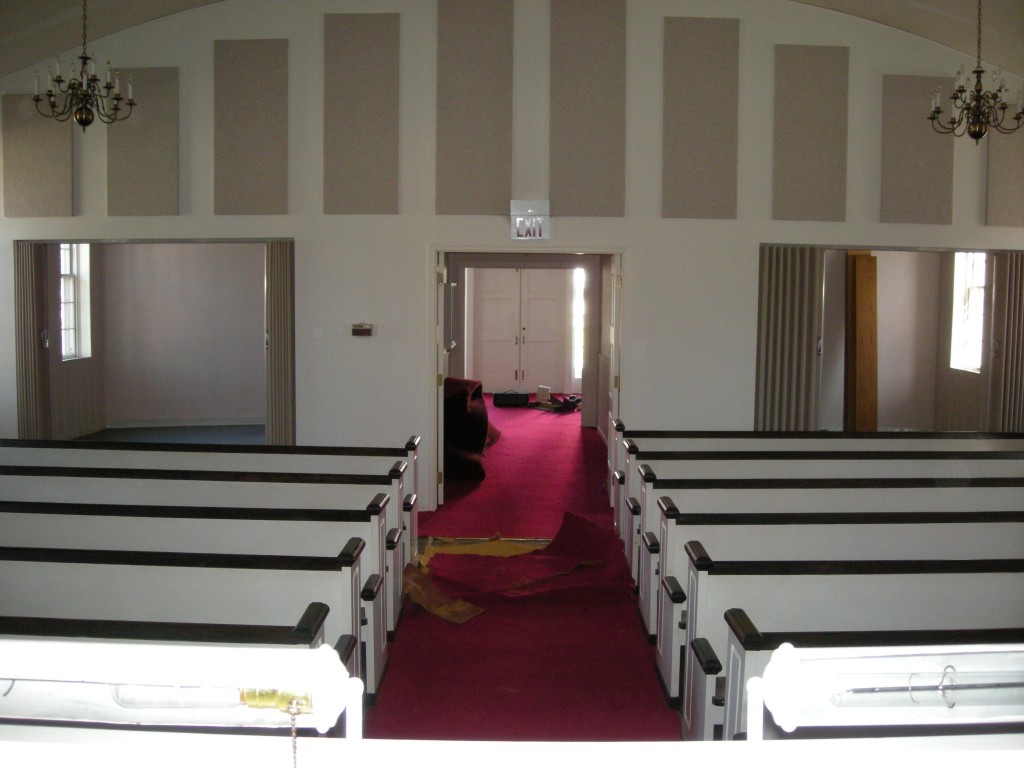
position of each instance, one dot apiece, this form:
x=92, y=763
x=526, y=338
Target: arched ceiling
x=33, y=30
x=953, y=23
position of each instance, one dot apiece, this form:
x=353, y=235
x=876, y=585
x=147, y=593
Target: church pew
x=184, y=587
x=841, y=535
x=400, y=463
x=819, y=595
x=185, y=687
x=662, y=553
x=750, y=650
x=227, y=530
x=225, y=488
x=761, y=440
x=307, y=631
x=733, y=440
x=643, y=466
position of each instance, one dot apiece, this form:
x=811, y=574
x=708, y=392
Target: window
x=968, y=312
x=579, y=282
x=75, y=326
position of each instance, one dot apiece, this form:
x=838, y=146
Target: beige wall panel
x=699, y=156
x=917, y=162
x=809, y=171
x=588, y=108
x=250, y=133
x=142, y=151
x=1005, y=207
x=37, y=161
x=361, y=115
x=474, y=107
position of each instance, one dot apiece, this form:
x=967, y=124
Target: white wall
x=908, y=312
x=908, y=307
x=184, y=341
x=690, y=287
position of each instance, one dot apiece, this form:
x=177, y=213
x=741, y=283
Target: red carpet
x=558, y=652
x=581, y=554
x=565, y=665
x=544, y=466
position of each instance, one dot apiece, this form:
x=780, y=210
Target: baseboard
x=240, y=421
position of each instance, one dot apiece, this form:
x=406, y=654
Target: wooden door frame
x=453, y=260
x=32, y=377
x=860, y=393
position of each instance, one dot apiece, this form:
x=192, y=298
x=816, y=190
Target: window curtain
x=30, y=355
x=280, y=314
x=1010, y=382
x=788, y=334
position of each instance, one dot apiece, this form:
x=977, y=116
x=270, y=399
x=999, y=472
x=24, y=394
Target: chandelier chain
x=979, y=34
x=85, y=25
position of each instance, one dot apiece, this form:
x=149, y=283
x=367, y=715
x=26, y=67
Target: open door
x=860, y=393
x=446, y=341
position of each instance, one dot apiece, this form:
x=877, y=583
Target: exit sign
x=530, y=220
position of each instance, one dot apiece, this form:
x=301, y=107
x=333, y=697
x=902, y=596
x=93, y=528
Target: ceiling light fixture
x=82, y=97
x=975, y=110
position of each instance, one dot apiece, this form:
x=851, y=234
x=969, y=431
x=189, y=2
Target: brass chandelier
x=82, y=98
x=976, y=110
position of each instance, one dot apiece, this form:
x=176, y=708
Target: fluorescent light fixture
x=913, y=685
x=143, y=683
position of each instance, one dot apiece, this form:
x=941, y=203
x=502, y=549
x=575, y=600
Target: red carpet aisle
x=555, y=655
x=558, y=652
x=543, y=466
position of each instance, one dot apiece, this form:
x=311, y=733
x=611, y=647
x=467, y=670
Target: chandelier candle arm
x=84, y=98
x=974, y=110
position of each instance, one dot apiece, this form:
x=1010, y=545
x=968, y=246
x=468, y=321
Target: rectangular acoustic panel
x=588, y=108
x=1005, y=207
x=699, y=156
x=809, y=170
x=142, y=151
x=37, y=161
x=361, y=114
x=917, y=162
x=250, y=126
x=474, y=107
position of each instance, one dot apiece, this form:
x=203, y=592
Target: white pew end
x=912, y=686
x=111, y=682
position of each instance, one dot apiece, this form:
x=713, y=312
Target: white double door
x=522, y=329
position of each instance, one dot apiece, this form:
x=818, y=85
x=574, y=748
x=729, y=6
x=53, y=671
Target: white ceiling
x=33, y=30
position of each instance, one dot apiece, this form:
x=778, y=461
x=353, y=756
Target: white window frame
x=966, y=349
x=75, y=309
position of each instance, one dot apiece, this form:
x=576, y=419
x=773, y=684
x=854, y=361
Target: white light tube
x=177, y=684
x=913, y=685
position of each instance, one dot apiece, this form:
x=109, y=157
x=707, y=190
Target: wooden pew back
x=750, y=650
x=184, y=587
x=837, y=594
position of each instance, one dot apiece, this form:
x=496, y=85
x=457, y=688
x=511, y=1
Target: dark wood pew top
x=304, y=632
x=823, y=455
x=671, y=511
x=292, y=450
x=211, y=475
x=619, y=426
x=345, y=559
x=703, y=562
x=373, y=509
x=825, y=483
x=752, y=639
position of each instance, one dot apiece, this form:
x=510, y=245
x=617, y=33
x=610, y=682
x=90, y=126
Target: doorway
x=520, y=323
x=456, y=335
x=81, y=383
